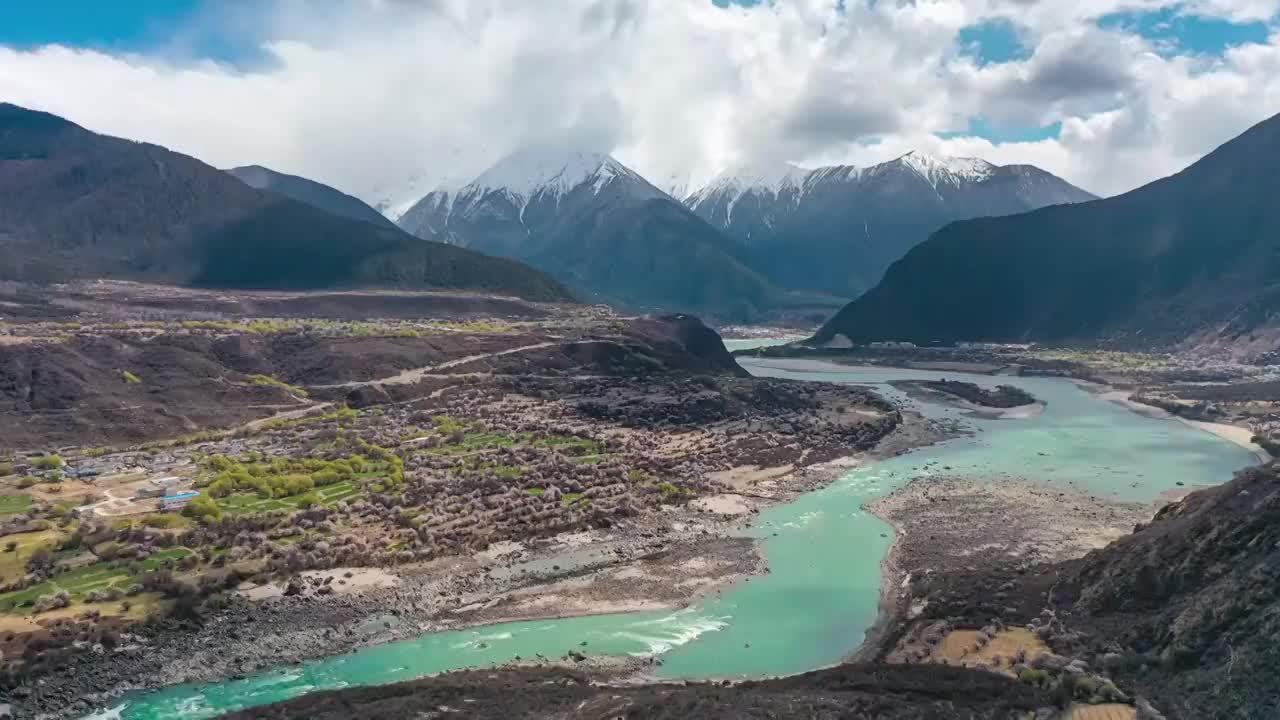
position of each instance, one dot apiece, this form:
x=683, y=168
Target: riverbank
x=579, y=575
x=1247, y=394
x=752, y=631
x=1237, y=434
x=959, y=527
x=664, y=561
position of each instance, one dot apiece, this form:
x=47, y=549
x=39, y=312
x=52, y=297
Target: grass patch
x=48, y=462
x=14, y=504
x=508, y=472
x=268, y=381
x=129, y=378
x=591, y=459
x=474, y=327
x=570, y=445
x=76, y=583
x=167, y=521
x=345, y=416
x=536, y=492
x=157, y=559
x=474, y=442
x=13, y=564
x=246, y=503
x=338, y=492
x=140, y=606
x=254, y=484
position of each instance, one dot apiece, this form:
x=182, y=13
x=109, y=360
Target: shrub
x=165, y=521
x=6, y=468
x=52, y=602
x=49, y=462
x=27, y=482
x=268, y=381
x=204, y=509
x=1083, y=687
x=1037, y=678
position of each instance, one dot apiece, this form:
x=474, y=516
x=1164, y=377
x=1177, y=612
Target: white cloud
x=1240, y=11
x=387, y=98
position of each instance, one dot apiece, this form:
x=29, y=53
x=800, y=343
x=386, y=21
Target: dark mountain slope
x=847, y=692
x=310, y=192
x=74, y=204
x=1195, y=250
x=1190, y=603
x=598, y=227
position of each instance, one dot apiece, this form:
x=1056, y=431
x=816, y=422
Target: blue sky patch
x=994, y=41
x=981, y=127
x=1175, y=34
x=177, y=29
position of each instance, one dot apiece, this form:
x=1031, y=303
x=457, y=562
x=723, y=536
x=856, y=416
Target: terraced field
x=76, y=583
x=14, y=504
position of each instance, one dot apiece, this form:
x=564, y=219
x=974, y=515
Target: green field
x=13, y=564
x=14, y=504
x=337, y=492
x=157, y=559
x=249, y=503
x=77, y=583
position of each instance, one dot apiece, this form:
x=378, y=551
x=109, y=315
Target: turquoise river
x=823, y=549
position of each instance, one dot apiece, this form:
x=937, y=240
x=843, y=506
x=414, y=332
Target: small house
x=177, y=501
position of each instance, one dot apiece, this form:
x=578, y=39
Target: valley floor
x=468, y=461
x=462, y=462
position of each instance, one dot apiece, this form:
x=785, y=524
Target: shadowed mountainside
x=1193, y=251
x=848, y=692
x=317, y=195
x=75, y=204
x=1189, y=604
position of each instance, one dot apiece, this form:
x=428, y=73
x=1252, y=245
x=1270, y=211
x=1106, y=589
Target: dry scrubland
x=322, y=445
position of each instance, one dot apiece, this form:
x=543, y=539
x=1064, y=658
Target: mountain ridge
x=310, y=192
x=1191, y=251
x=599, y=227
x=77, y=204
x=836, y=229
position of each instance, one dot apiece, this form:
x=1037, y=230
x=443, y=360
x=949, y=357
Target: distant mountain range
x=1197, y=252
x=600, y=228
x=75, y=204
x=837, y=229
x=310, y=192
x=754, y=240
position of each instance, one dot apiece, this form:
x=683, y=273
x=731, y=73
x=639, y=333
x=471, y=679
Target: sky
x=387, y=99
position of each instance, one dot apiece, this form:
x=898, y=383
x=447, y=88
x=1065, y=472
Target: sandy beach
x=1241, y=436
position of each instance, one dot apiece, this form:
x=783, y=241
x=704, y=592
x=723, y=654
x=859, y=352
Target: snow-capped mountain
x=837, y=229
x=760, y=193
x=599, y=227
